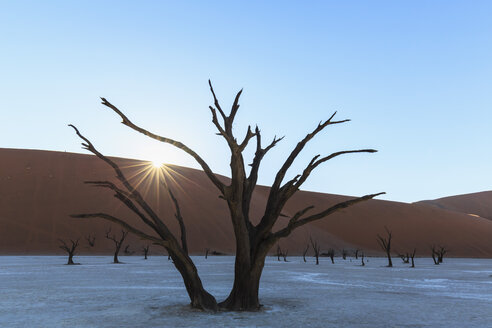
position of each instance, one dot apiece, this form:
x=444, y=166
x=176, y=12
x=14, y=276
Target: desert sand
x=40, y=189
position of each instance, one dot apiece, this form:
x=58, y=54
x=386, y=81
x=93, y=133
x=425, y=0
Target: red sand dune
x=475, y=204
x=40, y=189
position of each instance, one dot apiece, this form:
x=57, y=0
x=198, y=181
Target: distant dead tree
x=356, y=252
x=253, y=240
x=91, y=239
x=362, y=259
x=344, y=254
x=404, y=257
x=206, y=252
x=305, y=252
x=281, y=253
x=412, y=256
x=316, y=248
x=69, y=249
x=117, y=242
x=434, y=255
x=438, y=254
x=331, y=254
x=127, y=250
x=145, y=250
x=385, y=244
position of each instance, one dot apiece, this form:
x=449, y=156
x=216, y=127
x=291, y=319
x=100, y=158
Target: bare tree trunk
x=316, y=249
x=357, y=254
x=206, y=252
x=362, y=259
x=412, y=257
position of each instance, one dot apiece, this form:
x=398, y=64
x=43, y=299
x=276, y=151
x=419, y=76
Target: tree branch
x=175, y=143
x=122, y=224
x=296, y=222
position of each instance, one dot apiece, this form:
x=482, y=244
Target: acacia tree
x=305, y=252
x=91, y=240
x=69, y=249
x=253, y=241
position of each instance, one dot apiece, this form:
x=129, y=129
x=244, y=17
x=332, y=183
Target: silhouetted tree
x=117, y=243
x=344, y=254
x=253, y=241
x=146, y=249
x=305, y=252
x=434, y=255
x=331, y=254
x=362, y=259
x=127, y=250
x=404, y=257
x=69, y=249
x=357, y=254
x=385, y=244
x=91, y=239
x=206, y=252
x=316, y=249
x=412, y=256
x=440, y=253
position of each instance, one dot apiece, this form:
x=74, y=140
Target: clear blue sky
x=415, y=77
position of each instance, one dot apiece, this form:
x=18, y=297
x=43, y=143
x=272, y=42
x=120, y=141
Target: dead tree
x=305, y=252
x=127, y=251
x=357, y=254
x=344, y=254
x=117, y=243
x=145, y=250
x=362, y=259
x=331, y=254
x=412, y=256
x=206, y=252
x=279, y=253
x=91, y=239
x=435, y=255
x=69, y=249
x=316, y=249
x=404, y=257
x=385, y=244
x=440, y=253
x=253, y=241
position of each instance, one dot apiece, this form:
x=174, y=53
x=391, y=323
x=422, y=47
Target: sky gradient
x=414, y=77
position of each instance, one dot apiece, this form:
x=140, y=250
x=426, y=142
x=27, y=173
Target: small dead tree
x=127, y=251
x=118, y=242
x=145, y=250
x=362, y=259
x=279, y=253
x=385, y=244
x=344, y=254
x=316, y=248
x=404, y=257
x=356, y=252
x=440, y=253
x=69, y=249
x=412, y=256
x=305, y=252
x=206, y=252
x=91, y=239
x=331, y=255
x=434, y=254
x=253, y=239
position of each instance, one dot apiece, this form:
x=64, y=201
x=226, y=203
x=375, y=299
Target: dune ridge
x=40, y=189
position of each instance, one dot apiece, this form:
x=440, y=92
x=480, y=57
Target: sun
x=157, y=164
